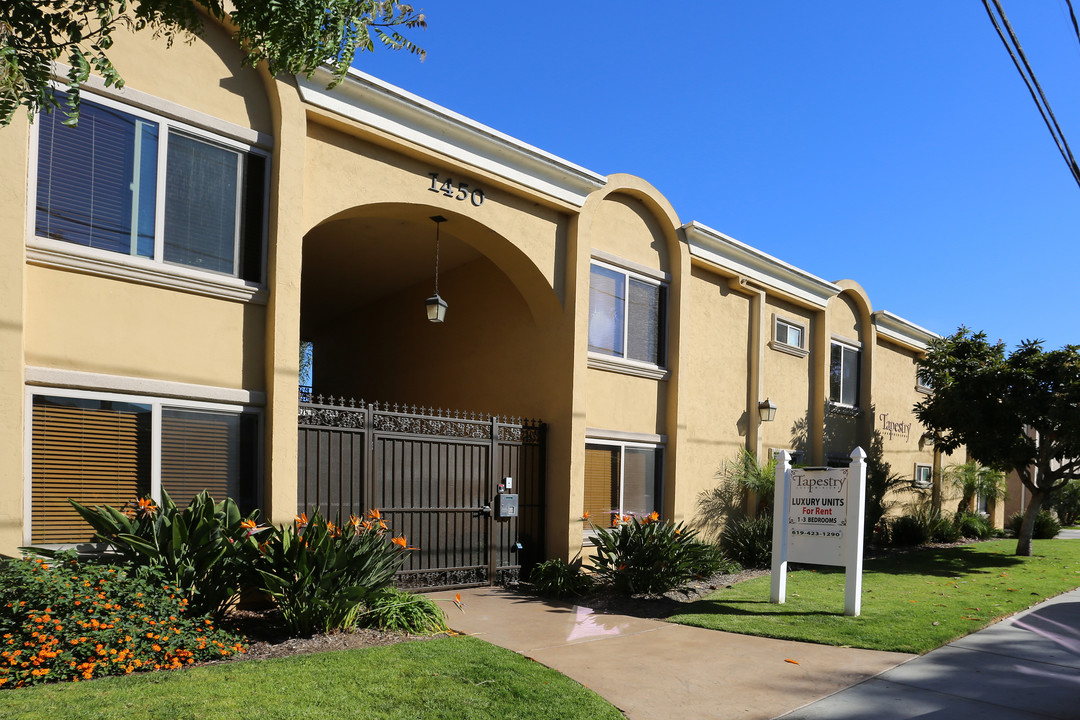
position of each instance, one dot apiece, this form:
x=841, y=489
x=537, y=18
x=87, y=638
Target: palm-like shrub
x=320, y=575
x=1066, y=503
x=1046, y=525
x=748, y=541
x=973, y=480
x=649, y=556
x=559, y=578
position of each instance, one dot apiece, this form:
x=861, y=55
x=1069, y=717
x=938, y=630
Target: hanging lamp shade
x=435, y=305
x=436, y=308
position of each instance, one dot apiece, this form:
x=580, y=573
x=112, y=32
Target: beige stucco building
x=162, y=263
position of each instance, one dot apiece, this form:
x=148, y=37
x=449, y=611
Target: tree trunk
x=1027, y=528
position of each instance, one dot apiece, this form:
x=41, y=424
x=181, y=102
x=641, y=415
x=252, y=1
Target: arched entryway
x=426, y=420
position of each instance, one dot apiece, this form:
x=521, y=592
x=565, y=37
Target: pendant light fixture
x=436, y=306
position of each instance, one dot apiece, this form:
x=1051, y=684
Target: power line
x=1012, y=45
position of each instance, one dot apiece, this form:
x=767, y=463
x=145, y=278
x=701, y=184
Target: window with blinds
x=621, y=480
x=601, y=483
x=94, y=451
x=626, y=315
x=97, y=186
x=212, y=451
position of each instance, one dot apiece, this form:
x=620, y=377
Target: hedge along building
x=164, y=261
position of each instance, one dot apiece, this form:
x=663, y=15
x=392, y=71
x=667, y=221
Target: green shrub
x=748, y=541
x=1066, y=503
x=206, y=549
x=558, y=578
x=63, y=619
x=1046, y=525
x=924, y=524
x=393, y=609
x=973, y=525
x=320, y=575
x=647, y=556
x=907, y=531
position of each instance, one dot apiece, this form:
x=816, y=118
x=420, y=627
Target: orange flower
x=401, y=543
x=615, y=521
x=301, y=519
x=457, y=601
x=146, y=507
x=374, y=514
x=585, y=515
x=248, y=524
x=654, y=516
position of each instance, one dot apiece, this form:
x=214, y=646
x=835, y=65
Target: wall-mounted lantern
x=767, y=410
x=436, y=306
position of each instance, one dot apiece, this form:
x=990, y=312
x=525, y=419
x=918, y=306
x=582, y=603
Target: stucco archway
x=366, y=274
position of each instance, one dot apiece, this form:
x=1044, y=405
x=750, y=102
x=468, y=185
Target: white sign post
x=818, y=519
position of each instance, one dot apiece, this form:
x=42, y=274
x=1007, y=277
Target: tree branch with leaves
x=1018, y=412
x=290, y=36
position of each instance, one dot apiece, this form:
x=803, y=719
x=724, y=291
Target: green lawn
x=912, y=602
x=454, y=678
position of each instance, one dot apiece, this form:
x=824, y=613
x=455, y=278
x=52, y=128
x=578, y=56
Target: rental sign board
x=818, y=519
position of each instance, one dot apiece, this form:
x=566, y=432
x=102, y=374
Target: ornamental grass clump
x=63, y=619
x=561, y=579
x=393, y=609
x=320, y=574
x=645, y=555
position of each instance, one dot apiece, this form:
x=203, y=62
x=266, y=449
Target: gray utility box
x=506, y=505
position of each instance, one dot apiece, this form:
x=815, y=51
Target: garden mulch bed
x=268, y=637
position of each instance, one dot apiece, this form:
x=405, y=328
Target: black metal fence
x=434, y=475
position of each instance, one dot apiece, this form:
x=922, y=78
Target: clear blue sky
x=890, y=143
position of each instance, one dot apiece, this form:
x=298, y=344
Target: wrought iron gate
x=433, y=475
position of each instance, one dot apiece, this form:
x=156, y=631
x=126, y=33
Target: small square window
x=924, y=476
x=789, y=334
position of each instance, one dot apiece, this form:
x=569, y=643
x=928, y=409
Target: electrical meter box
x=506, y=505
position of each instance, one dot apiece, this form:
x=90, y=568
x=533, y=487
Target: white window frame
x=799, y=350
x=623, y=445
x=156, y=405
x=857, y=349
x=603, y=361
x=798, y=457
x=921, y=483
x=921, y=386
x=155, y=271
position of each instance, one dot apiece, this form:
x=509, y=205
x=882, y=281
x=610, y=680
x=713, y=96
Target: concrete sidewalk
x=653, y=669
x=1026, y=667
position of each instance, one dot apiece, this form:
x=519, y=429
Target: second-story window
x=626, y=315
x=844, y=375
x=144, y=186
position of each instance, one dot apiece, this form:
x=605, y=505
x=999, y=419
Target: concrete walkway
x=653, y=669
x=1024, y=668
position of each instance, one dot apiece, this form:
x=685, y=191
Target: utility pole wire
x=1032, y=83
x=1072, y=16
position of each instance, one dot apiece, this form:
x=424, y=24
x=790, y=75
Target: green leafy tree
x=291, y=36
x=973, y=479
x=1015, y=412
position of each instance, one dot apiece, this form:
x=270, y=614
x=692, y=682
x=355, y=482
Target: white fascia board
x=745, y=261
x=401, y=114
x=902, y=331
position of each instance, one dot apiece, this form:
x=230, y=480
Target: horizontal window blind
x=201, y=200
x=96, y=181
x=601, y=483
x=212, y=451
x=95, y=452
